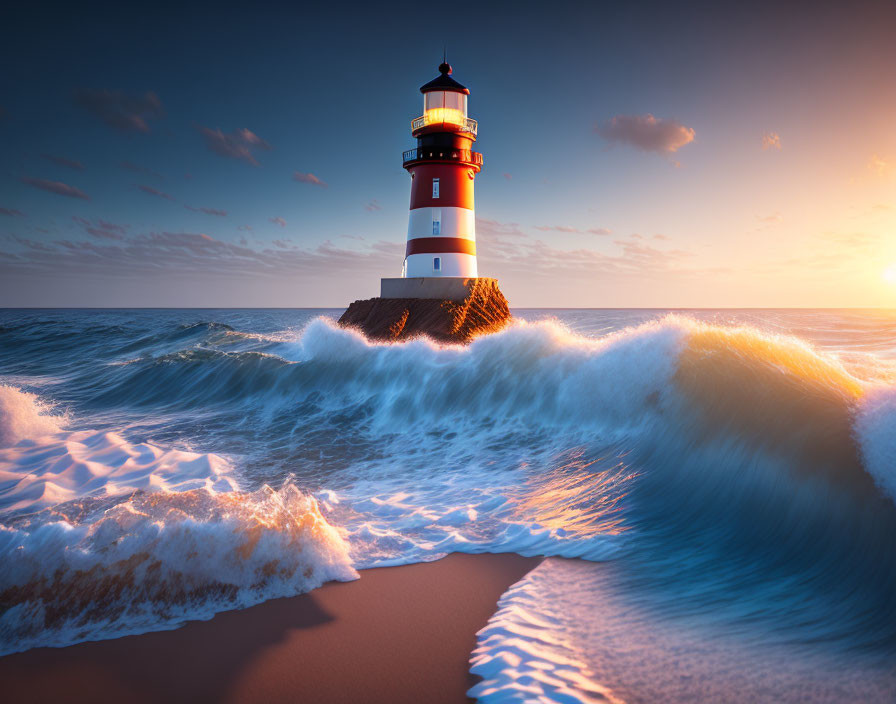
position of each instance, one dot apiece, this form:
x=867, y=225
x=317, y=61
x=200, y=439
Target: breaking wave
x=102, y=538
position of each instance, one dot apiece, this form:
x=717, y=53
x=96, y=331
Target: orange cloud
x=882, y=166
x=771, y=140
x=646, y=132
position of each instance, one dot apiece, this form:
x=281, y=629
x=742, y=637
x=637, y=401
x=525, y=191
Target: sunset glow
x=631, y=160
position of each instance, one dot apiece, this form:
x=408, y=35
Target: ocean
x=713, y=489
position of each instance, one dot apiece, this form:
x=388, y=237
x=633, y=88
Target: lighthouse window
x=437, y=221
x=435, y=188
x=444, y=106
x=436, y=263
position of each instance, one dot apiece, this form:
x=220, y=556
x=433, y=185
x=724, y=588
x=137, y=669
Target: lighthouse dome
x=444, y=82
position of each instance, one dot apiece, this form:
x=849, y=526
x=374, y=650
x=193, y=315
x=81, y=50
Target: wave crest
x=23, y=416
x=158, y=559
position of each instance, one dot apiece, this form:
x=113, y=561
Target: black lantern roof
x=444, y=82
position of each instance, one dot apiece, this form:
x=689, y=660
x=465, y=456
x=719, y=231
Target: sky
x=658, y=155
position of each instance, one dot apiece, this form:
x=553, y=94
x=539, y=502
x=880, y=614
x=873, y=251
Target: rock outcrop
x=483, y=311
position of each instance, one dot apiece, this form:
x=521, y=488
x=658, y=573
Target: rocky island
x=445, y=310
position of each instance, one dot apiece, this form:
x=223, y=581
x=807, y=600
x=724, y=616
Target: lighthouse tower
x=443, y=166
x=440, y=293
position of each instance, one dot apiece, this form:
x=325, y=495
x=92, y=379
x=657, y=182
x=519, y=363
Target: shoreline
x=398, y=634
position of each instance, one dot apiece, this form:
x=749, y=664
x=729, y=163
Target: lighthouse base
x=446, y=288
x=446, y=309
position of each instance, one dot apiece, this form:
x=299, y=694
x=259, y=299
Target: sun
x=890, y=274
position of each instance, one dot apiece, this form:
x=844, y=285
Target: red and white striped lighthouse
x=441, y=225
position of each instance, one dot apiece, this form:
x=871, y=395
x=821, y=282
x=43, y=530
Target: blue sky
x=664, y=155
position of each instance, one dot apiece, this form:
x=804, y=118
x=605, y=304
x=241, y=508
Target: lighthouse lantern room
x=441, y=225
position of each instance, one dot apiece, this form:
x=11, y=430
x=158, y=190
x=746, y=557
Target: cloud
x=373, y=206
x=208, y=211
x=175, y=255
x=245, y=228
x=769, y=219
x=278, y=221
x=102, y=230
x=123, y=112
x=503, y=247
x=484, y=226
x=154, y=192
x=137, y=169
x=508, y=176
x=62, y=161
x=882, y=166
x=646, y=132
x=308, y=178
x=12, y=212
x=771, y=140
x=853, y=242
x=56, y=187
x=238, y=144
x=574, y=230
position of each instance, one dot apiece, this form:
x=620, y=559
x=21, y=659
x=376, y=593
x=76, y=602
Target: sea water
x=714, y=490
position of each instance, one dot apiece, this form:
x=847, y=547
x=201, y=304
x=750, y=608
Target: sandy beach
x=398, y=634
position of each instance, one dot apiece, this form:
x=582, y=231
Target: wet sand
x=399, y=634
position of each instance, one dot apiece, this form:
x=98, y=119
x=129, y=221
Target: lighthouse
x=443, y=167
x=440, y=294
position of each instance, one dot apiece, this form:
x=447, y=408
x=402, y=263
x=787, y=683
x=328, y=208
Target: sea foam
x=102, y=538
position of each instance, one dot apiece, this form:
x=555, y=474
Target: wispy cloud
x=57, y=187
x=574, y=230
x=180, y=254
x=129, y=113
x=102, y=229
x=62, y=161
x=154, y=192
x=503, y=246
x=508, y=176
x=208, y=211
x=308, y=178
x=485, y=226
x=646, y=132
x=12, y=212
x=239, y=144
x=278, y=221
x=373, y=206
x=883, y=167
x=137, y=169
x=771, y=140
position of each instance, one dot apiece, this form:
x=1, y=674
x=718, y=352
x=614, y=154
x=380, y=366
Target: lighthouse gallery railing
x=465, y=155
x=468, y=125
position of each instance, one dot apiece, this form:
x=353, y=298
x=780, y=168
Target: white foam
x=23, y=416
x=158, y=559
x=568, y=632
x=42, y=465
